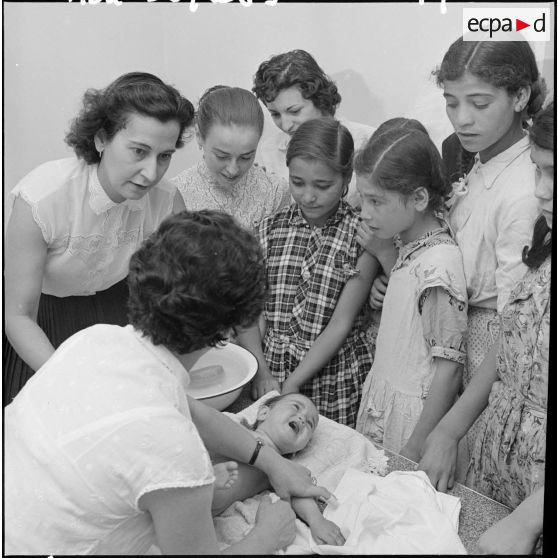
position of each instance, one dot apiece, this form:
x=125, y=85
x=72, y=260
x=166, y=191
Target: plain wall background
x=380, y=54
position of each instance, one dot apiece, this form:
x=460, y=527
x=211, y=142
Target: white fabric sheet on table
x=401, y=513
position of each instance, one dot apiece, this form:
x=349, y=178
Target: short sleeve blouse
x=492, y=217
x=89, y=237
x=103, y=422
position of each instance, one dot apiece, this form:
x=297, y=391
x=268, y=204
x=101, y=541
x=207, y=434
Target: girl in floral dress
x=491, y=88
x=420, y=345
x=315, y=318
x=229, y=124
x=508, y=459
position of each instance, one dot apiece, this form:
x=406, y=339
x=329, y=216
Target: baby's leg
x=226, y=474
x=249, y=481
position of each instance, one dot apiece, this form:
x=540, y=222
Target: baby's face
x=291, y=422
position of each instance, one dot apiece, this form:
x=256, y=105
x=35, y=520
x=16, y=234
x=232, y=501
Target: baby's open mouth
x=294, y=424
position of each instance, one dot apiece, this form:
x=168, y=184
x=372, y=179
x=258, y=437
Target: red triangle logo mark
x=519, y=25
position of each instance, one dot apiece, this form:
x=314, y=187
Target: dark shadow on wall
x=358, y=103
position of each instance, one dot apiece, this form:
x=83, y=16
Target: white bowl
x=220, y=387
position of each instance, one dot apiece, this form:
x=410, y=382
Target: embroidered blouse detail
x=89, y=237
x=256, y=195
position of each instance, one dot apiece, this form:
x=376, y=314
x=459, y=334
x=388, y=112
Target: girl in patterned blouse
x=315, y=318
x=229, y=124
x=509, y=455
x=419, y=349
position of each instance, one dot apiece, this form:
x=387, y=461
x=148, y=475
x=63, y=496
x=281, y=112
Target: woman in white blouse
x=75, y=222
x=106, y=453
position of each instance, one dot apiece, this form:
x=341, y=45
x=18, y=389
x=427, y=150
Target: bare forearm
x=251, y=339
x=474, y=400
x=252, y=543
x=441, y=396
x=321, y=352
x=530, y=513
x=307, y=510
x=222, y=436
x=332, y=338
x=29, y=340
x=518, y=532
x=387, y=259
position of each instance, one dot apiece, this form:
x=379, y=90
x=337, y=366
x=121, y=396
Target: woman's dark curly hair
x=402, y=160
x=108, y=109
x=542, y=135
x=326, y=140
x=199, y=275
x=296, y=67
x=510, y=65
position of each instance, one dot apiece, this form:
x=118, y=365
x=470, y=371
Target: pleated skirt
x=60, y=318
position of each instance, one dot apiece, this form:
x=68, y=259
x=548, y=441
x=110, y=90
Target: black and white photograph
x=279, y=277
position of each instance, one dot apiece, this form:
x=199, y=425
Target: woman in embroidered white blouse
x=229, y=124
x=75, y=222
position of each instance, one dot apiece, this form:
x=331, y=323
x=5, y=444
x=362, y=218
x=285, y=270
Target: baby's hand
x=327, y=532
x=263, y=383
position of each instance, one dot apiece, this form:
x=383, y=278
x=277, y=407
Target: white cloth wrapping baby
x=398, y=514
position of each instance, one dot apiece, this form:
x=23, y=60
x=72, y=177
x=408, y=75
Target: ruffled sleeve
x=444, y=322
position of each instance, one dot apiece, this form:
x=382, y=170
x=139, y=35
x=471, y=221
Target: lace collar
x=492, y=169
x=99, y=201
x=296, y=218
x=405, y=250
x=207, y=177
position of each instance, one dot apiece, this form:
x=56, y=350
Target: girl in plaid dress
x=315, y=317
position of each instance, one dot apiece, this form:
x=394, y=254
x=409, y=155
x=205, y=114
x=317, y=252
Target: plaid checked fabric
x=307, y=269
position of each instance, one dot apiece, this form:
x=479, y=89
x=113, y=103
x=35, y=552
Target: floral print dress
x=508, y=459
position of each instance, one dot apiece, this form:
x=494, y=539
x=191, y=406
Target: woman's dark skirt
x=60, y=318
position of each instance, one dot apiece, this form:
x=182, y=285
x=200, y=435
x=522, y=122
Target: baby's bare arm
x=323, y=530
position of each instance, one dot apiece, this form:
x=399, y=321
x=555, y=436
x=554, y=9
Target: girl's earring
x=100, y=154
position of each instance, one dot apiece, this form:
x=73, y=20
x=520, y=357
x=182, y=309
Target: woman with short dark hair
x=75, y=222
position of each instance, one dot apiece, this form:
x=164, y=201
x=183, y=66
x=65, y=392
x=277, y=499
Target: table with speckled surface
x=478, y=512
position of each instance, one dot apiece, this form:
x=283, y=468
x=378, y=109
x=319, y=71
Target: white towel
x=401, y=513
